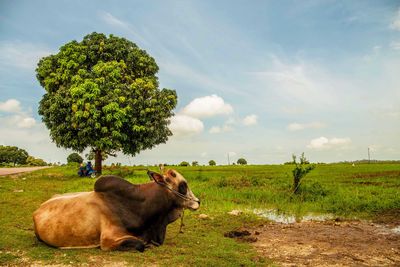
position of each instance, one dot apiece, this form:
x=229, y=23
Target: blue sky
x=259, y=80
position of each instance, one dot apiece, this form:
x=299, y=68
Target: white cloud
x=175, y=68
x=220, y=129
x=374, y=53
x=26, y=122
x=207, y=106
x=187, y=121
x=11, y=105
x=226, y=127
x=250, y=120
x=326, y=143
x=301, y=126
x=182, y=125
x=386, y=112
x=395, y=25
x=20, y=121
x=395, y=45
x=111, y=20
x=34, y=140
x=18, y=118
x=116, y=22
x=300, y=82
x=230, y=121
x=215, y=129
x=292, y=110
x=21, y=55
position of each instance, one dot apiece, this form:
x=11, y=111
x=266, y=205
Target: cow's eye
x=182, y=188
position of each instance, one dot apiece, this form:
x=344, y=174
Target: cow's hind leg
x=115, y=237
x=126, y=242
x=131, y=244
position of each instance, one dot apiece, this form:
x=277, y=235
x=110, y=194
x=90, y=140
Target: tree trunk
x=98, y=160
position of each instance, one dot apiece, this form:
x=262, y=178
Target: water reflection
x=273, y=215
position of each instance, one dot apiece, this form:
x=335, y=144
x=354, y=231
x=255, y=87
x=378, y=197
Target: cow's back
x=70, y=220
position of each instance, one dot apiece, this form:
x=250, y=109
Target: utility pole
x=229, y=162
x=369, y=156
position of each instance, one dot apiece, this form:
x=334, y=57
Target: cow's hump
x=111, y=183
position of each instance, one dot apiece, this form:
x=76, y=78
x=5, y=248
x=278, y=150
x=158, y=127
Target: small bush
x=300, y=170
x=223, y=182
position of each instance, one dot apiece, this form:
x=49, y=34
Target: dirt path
x=8, y=171
x=331, y=243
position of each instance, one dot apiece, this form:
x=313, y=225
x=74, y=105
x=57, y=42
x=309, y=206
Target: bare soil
x=329, y=243
x=8, y=171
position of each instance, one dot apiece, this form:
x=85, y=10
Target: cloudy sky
x=255, y=79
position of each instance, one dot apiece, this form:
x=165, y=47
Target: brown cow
x=117, y=215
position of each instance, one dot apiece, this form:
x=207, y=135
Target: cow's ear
x=156, y=177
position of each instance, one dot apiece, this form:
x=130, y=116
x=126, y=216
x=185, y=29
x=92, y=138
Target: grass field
x=363, y=191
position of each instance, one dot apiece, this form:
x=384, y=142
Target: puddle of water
x=272, y=215
x=396, y=230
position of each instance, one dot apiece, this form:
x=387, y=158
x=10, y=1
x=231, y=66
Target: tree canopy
x=74, y=157
x=242, y=161
x=212, y=163
x=13, y=154
x=32, y=161
x=102, y=93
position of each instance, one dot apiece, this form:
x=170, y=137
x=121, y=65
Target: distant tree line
x=240, y=161
x=365, y=161
x=12, y=155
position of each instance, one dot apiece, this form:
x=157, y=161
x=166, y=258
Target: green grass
x=340, y=189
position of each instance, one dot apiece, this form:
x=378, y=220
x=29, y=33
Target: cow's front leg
x=126, y=242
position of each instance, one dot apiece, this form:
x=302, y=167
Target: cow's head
x=178, y=187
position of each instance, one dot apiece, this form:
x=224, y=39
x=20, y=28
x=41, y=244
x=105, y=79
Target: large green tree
x=13, y=154
x=102, y=93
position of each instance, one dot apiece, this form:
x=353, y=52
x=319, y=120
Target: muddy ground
x=329, y=243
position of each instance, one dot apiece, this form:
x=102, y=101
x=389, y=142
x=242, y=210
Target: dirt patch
x=331, y=243
x=242, y=235
x=390, y=218
x=9, y=171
